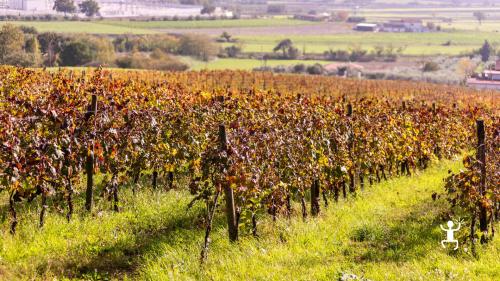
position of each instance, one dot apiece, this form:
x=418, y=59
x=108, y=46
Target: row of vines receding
x=257, y=140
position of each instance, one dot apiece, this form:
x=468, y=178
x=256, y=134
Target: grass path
x=389, y=232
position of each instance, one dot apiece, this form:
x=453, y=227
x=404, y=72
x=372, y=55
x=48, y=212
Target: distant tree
x=64, y=6
x=232, y=51
x=51, y=45
x=284, y=46
x=18, y=48
x=430, y=66
x=315, y=69
x=293, y=53
x=208, y=9
x=32, y=49
x=89, y=7
x=11, y=42
x=486, y=51
x=465, y=67
x=76, y=53
x=299, y=68
x=28, y=29
x=198, y=46
x=226, y=36
x=480, y=16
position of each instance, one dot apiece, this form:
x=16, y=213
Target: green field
x=264, y=22
x=389, y=232
x=148, y=27
x=243, y=64
x=94, y=27
x=412, y=43
x=471, y=36
x=461, y=17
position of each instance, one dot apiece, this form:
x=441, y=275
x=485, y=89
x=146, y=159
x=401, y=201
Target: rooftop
x=364, y=24
x=491, y=72
x=474, y=81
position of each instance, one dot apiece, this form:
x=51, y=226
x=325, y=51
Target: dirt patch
x=376, y=66
x=384, y=66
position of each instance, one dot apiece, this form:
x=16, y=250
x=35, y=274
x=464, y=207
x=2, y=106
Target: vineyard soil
x=389, y=232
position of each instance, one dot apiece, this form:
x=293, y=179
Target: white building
x=404, y=25
x=110, y=8
x=367, y=27
x=221, y=12
x=29, y=5
x=489, y=79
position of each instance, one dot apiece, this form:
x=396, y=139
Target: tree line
x=25, y=46
x=88, y=7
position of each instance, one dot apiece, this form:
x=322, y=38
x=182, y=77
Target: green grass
x=243, y=64
x=264, y=22
x=413, y=43
x=95, y=27
x=148, y=27
x=389, y=232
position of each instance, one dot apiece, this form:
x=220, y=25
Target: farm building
x=221, y=12
x=113, y=8
x=404, y=25
x=27, y=5
x=367, y=27
x=489, y=79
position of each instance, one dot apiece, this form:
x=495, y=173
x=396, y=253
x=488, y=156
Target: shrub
x=76, y=53
x=29, y=29
x=299, y=68
x=430, y=66
x=157, y=60
x=199, y=46
x=232, y=51
x=339, y=55
x=315, y=69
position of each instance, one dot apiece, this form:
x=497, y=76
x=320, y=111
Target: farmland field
x=81, y=27
x=245, y=64
x=147, y=27
x=261, y=35
x=275, y=22
x=412, y=43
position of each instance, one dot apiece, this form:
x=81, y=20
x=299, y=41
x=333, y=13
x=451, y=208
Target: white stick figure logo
x=449, y=234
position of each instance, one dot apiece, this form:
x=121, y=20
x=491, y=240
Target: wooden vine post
x=230, y=206
x=481, y=158
x=155, y=179
x=315, y=198
x=352, y=180
x=232, y=223
x=89, y=167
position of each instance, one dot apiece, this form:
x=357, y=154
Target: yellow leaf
x=206, y=95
